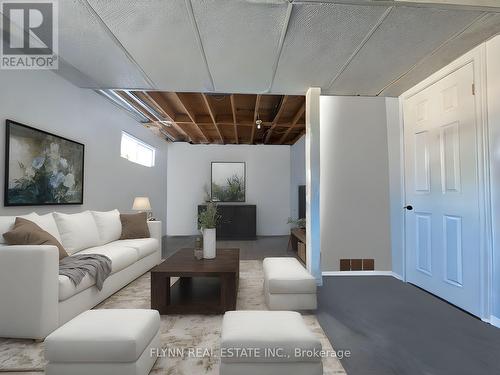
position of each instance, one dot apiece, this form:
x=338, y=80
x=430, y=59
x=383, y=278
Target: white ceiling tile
x=86, y=44
x=241, y=40
x=319, y=41
x=472, y=37
x=404, y=38
x=159, y=35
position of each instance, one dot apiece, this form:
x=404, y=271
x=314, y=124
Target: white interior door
x=441, y=176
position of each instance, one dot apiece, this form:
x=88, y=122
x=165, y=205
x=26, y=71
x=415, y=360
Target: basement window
x=137, y=151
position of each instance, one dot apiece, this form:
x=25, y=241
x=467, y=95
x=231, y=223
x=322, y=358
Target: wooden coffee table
x=207, y=286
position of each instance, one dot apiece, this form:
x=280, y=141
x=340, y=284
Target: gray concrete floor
x=396, y=328
x=265, y=246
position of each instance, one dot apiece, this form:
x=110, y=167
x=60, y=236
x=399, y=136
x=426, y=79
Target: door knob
x=409, y=207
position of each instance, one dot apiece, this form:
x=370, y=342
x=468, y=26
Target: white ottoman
x=288, y=285
x=268, y=343
x=105, y=342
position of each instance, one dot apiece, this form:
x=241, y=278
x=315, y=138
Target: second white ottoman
x=268, y=343
x=288, y=285
x=105, y=342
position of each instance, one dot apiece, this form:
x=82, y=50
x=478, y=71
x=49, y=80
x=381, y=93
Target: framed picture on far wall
x=228, y=181
x=41, y=168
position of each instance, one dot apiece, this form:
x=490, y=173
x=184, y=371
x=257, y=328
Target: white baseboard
x=361, y=273
x=494, y=321
x=397, y=276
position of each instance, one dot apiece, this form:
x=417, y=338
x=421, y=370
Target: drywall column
x=313, y=172
x=395, y=153
x=493, y=93
x=355, y=214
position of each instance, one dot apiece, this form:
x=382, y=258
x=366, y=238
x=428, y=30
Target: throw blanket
x=77, y=266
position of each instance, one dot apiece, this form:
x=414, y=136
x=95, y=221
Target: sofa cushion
x=266, y=331
x=143, y=246
x=48, y=224
x=7, y=223
x=67, y=289
x=134, y=226
x=287, y=275
x=26, y=232
x=103, y=336
x=121, y=256
x=109, y=225
x=78, y=231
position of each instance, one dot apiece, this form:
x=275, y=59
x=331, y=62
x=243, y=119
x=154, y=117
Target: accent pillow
x=109, y=225
x=7, y=223
x=26, y=232
x=78, y=231
x=134, y=226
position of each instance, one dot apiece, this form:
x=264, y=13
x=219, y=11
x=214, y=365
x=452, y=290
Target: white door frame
x=478, y=59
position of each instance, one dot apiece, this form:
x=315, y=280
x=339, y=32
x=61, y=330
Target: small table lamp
x=142, y=204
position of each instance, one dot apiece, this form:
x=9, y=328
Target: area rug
x=179, y=333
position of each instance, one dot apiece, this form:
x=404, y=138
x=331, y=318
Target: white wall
x=44, y=100
x=297, y=174
x=267, y=184
x=354, y=181
x=493, y=92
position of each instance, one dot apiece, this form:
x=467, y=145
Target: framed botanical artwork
x=41, y=168
x=228, y=182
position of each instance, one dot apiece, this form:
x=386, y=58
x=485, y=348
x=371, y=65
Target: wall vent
x=357, y=264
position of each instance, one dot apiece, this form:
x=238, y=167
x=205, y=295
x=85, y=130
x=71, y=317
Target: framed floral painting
x=41, y=168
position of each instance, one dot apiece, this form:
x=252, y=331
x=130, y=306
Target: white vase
x=209, y=243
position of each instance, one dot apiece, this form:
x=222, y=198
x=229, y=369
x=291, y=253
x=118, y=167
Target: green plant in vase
x=207, y=220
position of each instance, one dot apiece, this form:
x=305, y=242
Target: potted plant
x=297, y=223
x=207, y=220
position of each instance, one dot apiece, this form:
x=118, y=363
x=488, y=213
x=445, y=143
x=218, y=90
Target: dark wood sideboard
x=238, y=221
x=298, y=241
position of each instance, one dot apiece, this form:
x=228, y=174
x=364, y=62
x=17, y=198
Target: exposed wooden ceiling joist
x=276, y=118
x=255, y=117
x=296, y=118
x=221, y=118
x=211, y=113
x=156, y=98
x=190, y=114
x=233, y=110
x=153, y=120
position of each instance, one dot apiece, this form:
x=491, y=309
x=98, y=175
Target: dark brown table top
x=183, y=262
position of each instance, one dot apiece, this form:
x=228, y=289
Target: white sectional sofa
x=35, y=300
